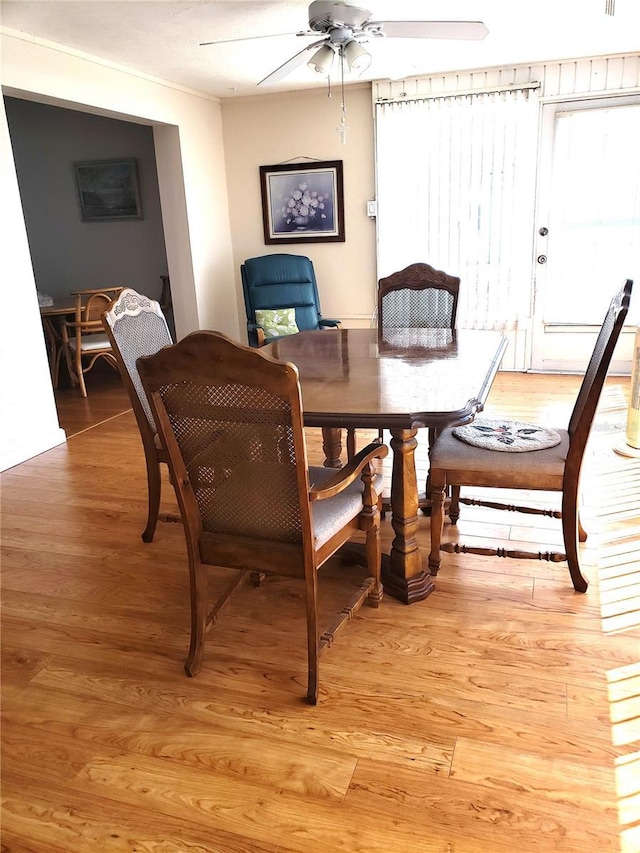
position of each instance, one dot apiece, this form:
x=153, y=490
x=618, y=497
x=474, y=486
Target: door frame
x=586, y=333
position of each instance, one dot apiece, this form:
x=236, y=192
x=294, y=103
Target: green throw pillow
x=277, y=322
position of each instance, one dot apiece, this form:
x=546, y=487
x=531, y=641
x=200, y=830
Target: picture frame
x=108, y=189
x=303, y=202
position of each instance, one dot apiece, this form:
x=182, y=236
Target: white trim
x=580, y=328
x=590, y=96
x=561, y=78
x=490, y=90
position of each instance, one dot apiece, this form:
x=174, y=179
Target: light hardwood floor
x=499, y=715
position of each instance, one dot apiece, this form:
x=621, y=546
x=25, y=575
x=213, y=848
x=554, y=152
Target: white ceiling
x=161, y=37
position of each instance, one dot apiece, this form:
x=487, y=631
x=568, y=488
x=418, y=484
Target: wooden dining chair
x=231, y=420
x=491, y=461
x=416, y=297
x=83, y=338
x=135, y=326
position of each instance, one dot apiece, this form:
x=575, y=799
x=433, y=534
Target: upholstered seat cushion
x=90, y=343
x=333, y=513
x=514, y=469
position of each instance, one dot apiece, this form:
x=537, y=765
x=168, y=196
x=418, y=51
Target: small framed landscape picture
x=303, y=202
x=108, y=189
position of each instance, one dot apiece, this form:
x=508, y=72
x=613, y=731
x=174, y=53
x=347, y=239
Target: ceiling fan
x=344, y=29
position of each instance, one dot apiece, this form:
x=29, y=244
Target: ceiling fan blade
x=463, y=30
x=291, y=64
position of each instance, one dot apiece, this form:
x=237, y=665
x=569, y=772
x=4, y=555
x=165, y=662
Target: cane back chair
x=416, y=297
x=135, y=326
x=557, y=468
x=231, y=420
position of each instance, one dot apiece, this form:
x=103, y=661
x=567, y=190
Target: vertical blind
x=456, y=189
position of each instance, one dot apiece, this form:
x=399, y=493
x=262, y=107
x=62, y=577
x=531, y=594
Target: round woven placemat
x=509, y=436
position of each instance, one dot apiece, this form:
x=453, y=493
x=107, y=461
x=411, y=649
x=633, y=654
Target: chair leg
x=55, y=366
x=69, y=359
x=570, y=528
x=83, y=387
x=79, y=372
x=432, y=434
x=154, y=485
x=438, y=492
x=374, y=559
x=313, y=641
x=199, y=592
x=111, y=362
x=582, y=533
x=454, y=506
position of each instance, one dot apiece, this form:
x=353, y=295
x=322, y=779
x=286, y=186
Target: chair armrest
x=335, y=324
x=351, y=471
x=258, y=331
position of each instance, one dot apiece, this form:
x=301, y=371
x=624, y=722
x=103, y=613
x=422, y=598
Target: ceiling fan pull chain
x=343, y=127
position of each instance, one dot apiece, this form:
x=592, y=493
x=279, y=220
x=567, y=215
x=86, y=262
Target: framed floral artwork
x=303, y=202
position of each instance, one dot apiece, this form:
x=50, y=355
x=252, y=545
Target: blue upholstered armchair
x=275, y=283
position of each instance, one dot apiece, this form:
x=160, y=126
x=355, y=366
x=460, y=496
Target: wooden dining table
x=51, y=315
x=403, y=380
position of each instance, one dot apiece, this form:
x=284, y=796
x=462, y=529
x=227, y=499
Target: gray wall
x=68, y=254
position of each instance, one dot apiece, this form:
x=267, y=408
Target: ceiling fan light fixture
x=358, y=59
x=322, y=60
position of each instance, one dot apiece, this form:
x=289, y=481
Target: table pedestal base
x=403, y=575
x=406, y=590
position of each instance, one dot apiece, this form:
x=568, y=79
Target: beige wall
x=207, y=157
x=193, y=190
x=190, y=161
x=273, y=129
